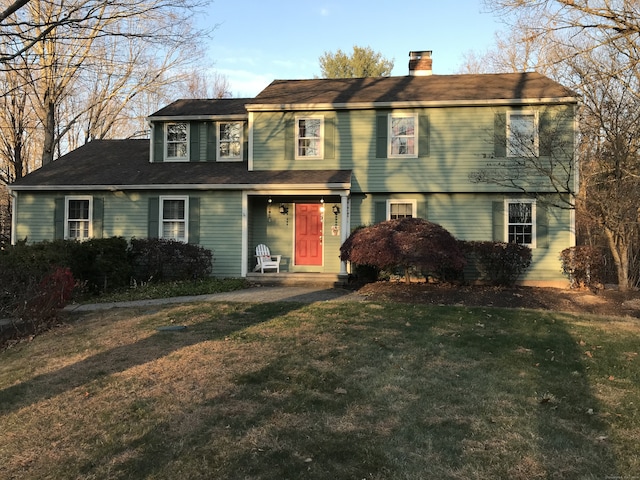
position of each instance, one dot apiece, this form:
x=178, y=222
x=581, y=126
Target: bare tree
x=200, y=84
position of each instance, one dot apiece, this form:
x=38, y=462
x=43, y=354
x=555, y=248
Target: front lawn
x=323, y=391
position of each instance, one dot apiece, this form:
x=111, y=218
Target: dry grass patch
x=376, y=391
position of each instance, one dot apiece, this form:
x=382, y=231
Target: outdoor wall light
x=284, y=210
x=335, y=209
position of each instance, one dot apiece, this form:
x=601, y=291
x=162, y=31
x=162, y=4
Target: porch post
x=344, y=230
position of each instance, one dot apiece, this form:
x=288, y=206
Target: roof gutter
x=203, y=186
x=266, y=107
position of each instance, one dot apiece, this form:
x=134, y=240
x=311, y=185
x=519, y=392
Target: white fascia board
x=176, y=118
x=413, y=104
x=268, y=187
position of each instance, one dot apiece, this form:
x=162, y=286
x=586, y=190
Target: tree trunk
x=620, y=252
x=49, y=126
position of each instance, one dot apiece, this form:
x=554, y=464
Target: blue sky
x=258, y=41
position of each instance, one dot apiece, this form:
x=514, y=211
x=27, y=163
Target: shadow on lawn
x=126, y=356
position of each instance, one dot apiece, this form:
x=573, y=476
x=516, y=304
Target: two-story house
x=306, y=161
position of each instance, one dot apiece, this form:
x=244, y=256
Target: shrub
x=498, y=263
x=584, y=265
x=407, y=243
x=166, y=260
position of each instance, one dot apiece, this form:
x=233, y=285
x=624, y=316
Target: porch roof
x=124, y=164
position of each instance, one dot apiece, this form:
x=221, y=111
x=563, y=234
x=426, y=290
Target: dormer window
x=229, y=141
x=177, y=142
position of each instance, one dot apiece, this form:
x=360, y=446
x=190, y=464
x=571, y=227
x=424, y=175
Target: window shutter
x=154, y=220
x=329, y=138
x=58, y=219
x=380, y=214
x=194, y=140
x=289, y=138
x=158, y=142
x=98, y=215
x=498, y=222
x=547, y=135
x=245, y=141
x=423, y=136
x=500, y=135
x=381, y=136
x=422, y=210
x=194, y=220
x=542, y=226
x=211, y=141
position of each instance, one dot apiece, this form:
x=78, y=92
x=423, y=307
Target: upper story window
x=522, y=134
x=174, y=218
x=78, y=216
x=520, y=222
x=402, y=137
x=309, y=137
x=401, y=209
x=177, y=141
x=229, y=141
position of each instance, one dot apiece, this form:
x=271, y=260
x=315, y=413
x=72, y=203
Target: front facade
x=299, y=166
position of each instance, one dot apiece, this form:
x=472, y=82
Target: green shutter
x=245, y=141
x=380, y=213
x=500, y=135
x=542, y=226
x=423, y=136
x=329, y=138
x=194, y=140
x=58, y=219
x=422, y=210
x=98, y=215
x=498, y=222
x=212, y=132
x=547, y=134
x=289, y=138
x=158, y=142
x=194, y=220
x=381, y=135
x=154, y=220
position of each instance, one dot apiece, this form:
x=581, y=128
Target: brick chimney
x=420, y=63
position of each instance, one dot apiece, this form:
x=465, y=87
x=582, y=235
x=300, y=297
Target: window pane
x=520, y=212
x=402, y=126
x=522, y=131
x=308, y=148
x=173, y=230
x=177, y=132
x=309, y=128
x=230, y=131
x=173, y=210
x=79, y=209
x=400, y=210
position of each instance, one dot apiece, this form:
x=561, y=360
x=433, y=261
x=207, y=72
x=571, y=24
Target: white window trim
x=395, y=201
x=320, y=155
x=533, y=219
x=511, y=151
x=416, y=126
x=166, y=143
x=67, y=219
x=161, y=219
x=220, y=158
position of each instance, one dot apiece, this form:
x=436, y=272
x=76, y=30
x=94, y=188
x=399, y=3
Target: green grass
x=331, y=390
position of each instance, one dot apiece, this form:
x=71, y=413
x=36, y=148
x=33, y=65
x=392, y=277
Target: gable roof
x=446, y=89
x=203, y=107
x=124, y=164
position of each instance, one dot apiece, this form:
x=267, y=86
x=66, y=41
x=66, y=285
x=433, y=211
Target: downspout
x=344, y=231
x=244, y=243
x=14, y=217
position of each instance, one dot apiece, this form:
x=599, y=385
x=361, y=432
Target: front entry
x=308, y=234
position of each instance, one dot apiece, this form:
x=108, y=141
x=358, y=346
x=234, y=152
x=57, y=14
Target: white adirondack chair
x=266, y=260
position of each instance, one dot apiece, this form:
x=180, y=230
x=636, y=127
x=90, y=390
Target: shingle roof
x=204, y=107
x=126, y=163
x=433, y=88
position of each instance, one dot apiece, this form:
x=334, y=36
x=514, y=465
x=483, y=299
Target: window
x=230, y=141
x=173, y=218
x=402, y=136
x=309, y=137
x=520, y=222
x=522, y=134
x=177, y=141
x=78, y=216
x=401, y=209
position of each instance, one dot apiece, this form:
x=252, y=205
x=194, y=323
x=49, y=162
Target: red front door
x=308, y=234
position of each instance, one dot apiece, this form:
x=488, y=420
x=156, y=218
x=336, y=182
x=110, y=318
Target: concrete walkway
x=308, y=294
